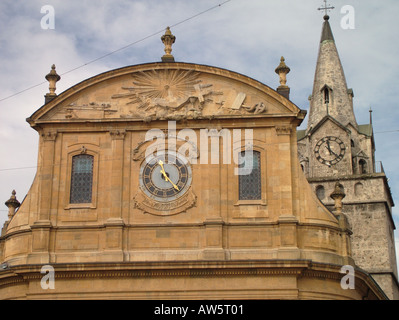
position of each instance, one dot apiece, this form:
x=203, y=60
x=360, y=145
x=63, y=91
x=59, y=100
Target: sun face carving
x=166, y=84
x=163, y=88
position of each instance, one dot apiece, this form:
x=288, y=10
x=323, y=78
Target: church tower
x=335, y=149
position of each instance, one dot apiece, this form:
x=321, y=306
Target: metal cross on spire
x=326, y=7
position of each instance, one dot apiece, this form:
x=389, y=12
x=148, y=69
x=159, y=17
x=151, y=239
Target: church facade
x=172, y=180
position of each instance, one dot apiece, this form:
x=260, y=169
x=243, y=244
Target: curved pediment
x=165, y=91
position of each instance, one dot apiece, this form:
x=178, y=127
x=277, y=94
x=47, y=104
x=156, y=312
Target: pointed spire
x=330, y=96
x=326, y=34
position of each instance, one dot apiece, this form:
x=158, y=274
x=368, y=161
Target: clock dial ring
x=165, y=176
x=330, y=150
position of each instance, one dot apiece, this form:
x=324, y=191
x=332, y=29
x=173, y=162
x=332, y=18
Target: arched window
x=320, y=192
x=358, y=189
x=362, y=166
x=82, y=179
x=249, y=182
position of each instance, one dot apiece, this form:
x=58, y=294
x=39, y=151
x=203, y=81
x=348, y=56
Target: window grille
x=82, y=179
x=250, y=176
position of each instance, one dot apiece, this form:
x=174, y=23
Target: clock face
x=330, y=150
x=165, y=176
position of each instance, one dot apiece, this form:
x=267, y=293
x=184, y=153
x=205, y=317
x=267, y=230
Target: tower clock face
x=330, y=150
x=165, y=176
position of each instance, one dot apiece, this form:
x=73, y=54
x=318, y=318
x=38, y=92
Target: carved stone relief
x=93, y=109
x=49, y=135
x=177, y=95
x=148, y=205
x=167, y=94
x=283, y=130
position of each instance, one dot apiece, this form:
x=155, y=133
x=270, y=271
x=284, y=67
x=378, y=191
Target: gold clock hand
x=163, y=170
x=165, y=175
x=174, y=186
x=161, y=164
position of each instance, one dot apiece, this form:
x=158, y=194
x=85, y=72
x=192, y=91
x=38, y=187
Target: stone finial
x=282, y=70
x=337, y=195
x=168, y=40
x=12, y=204
x=52, y=78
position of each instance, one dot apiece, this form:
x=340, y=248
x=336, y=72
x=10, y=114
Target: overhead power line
x=387, y=131
x=18, y=168
x=120, y=49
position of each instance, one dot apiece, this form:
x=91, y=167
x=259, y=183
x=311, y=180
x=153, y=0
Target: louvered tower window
x=250, y=176
x=82, y=179
x=326, y=96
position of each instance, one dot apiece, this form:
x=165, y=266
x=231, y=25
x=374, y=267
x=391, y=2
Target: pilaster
x=40, y=242
x=288, y=226
x=46, y=172
x=116, y=179
x=113, y=240
x=214, y=240
x=213, y=217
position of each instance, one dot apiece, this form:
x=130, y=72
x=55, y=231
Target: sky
x=245, y=36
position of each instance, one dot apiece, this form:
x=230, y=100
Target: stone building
x=172, y=180
x=335, y=148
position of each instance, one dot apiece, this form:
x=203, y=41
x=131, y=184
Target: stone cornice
x=147, y=225
x=296, y=268
x=348, y=177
